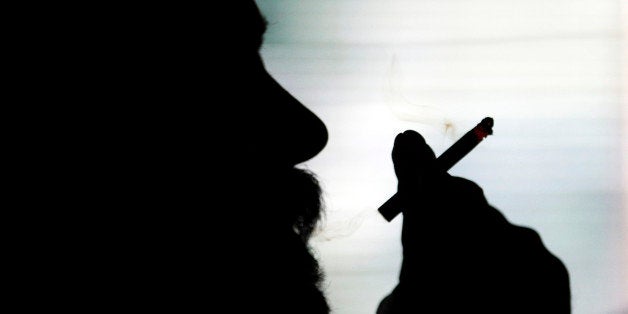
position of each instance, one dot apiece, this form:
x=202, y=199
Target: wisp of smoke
x=343, y=228
x=420, y=111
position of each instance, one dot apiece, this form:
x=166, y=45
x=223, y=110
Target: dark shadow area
x=170, y=181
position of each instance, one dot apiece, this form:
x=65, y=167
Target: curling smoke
x=421, y=110
x=342, y=228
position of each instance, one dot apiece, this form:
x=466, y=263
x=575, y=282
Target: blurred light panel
x=549, y=72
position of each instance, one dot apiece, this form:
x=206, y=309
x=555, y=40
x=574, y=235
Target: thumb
x=411, y=155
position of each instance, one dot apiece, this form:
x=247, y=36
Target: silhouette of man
x=460, y=255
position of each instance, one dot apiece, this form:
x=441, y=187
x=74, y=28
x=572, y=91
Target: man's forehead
x=259, y=24
x=245, y=25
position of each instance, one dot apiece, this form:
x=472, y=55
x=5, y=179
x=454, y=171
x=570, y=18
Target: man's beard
x=278, y=199
x=304, y=199
x=303, y=205
x=281, y=208
x=295, y=211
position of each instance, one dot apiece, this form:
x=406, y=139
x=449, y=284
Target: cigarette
x=392, y=207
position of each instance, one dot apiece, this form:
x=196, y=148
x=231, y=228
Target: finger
x=407, y=154
x=410, y=147
x=407, y=145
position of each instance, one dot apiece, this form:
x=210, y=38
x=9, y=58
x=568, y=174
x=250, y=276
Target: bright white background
x=549, y=72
